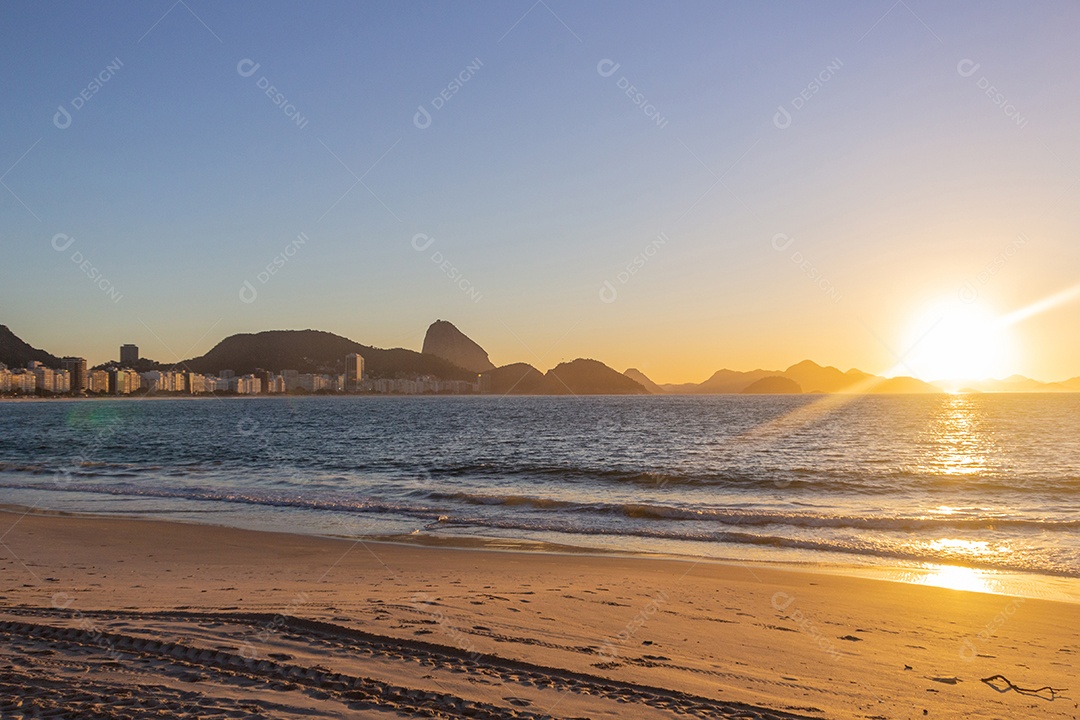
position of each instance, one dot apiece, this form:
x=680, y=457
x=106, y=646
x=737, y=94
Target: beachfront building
x=98, y=381
x=175, y=381
x=76, y=366
x=354, y=372
x=123, y=381
x=44, y=378
x=422, y=386
x=53, y=382
x=246, y=385
x=21, y=382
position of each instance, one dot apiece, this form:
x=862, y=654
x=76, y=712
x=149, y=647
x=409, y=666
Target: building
x=99, y=381
x=62, y=382
x=354, y=372
x=129, y=355
x=23, y=382
x=246, y=385
x=77, y=367
x=196, y=383
x=123, y=381
x=45, y=379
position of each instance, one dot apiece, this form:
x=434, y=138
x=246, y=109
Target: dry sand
x=116, y=618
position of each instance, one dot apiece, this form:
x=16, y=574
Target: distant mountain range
x=449, y=354
x=315, y=351
x=809, y=377
x=577, y=377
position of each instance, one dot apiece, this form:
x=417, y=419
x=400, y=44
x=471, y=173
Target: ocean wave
x=910, y=540
x=913, y=553
x=734, y=517
x=792, y=480
x=282, y=500
x=860, y=481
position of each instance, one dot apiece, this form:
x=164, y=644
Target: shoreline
x=223, y=616
x=1008, y=583
x=211, y=396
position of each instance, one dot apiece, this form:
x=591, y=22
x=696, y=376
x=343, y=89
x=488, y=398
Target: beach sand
x=108, y=617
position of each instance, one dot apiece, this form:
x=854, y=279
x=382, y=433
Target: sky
x=677, y=187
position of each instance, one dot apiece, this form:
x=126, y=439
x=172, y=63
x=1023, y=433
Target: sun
x=956, y=340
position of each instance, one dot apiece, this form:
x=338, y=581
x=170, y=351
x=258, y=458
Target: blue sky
x=899, y=181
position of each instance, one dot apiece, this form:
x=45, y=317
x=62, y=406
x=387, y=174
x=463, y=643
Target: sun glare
x=958, y=341
x=955, y=577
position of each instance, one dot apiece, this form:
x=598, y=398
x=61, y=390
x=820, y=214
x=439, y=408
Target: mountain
x=590, y=377
x=578, y=377
x=773, y=385
x=902, y=385
x=514, y=379
x=17, y=354
x=814, y=378
x=641, y=379
x=446, y=341
x=732, y=381
x=316, y=351
x=807, y=376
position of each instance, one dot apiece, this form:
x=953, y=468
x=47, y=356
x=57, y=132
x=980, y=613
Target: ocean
x=984, y=481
